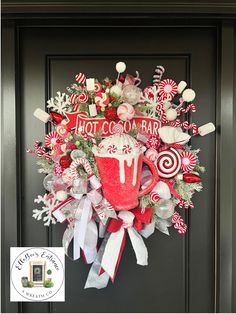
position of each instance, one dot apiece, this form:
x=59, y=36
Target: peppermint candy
x=168, y=163
x=97, y=87
x=154, y=197
x=127, y=149
x=117, y=128
x=153, y=141
x=102, y=99
x=83, y=98
x=167, y=89
x=80, y=78
x=112, y=149
x=178, y=223
x=189, y=161
x=52, y=139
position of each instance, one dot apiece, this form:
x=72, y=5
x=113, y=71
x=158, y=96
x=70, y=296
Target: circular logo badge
x=37, y=274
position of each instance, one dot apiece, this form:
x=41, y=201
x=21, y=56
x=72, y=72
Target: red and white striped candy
x=80, y=162
x=73, y=98
x=52, y=139
x=58, y=170
x=102, y=99
x=189, y=161
x=83, y=98
x=112, y=149
x=125, y=112
x=185, y=204
x=167, y=89
x=117, y=128
x=168, y=163
x=97, y=87
x=154, y=197
x=80, y=78
x=127, y=149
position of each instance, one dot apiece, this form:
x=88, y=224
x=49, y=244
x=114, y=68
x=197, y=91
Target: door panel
x=180, y=275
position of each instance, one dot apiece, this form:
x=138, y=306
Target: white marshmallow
x=181, y=86
x=93, y=110
x=42, y=115
x=206, y=129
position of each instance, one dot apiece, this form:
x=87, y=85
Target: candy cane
x=191, y=107
x=179, y=223
x=92, y=138
x=185, y=125
x=80, y=162
x=39, y=150
x=157, y=77
x=185, y=204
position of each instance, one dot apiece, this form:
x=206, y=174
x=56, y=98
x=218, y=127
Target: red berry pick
x=110, y=113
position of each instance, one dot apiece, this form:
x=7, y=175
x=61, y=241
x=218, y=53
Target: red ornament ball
x=65, y=161
x=73, y=146
x=110, y=113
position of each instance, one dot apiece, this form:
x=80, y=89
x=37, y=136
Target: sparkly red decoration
x=191, y=178
x=110, y=113
x=56, y=117
x=65, y=161
x=153, y=141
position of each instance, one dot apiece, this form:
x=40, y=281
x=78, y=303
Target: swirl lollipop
x=168, y=163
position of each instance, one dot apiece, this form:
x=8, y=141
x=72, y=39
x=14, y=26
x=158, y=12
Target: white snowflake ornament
x=61, y=103
x=50, y=202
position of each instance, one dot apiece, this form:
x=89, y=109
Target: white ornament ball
x=163, y=190
x=181, y=86
x=171, y=114
x=131, y=94
x=125, y=112
x=188, y=95
x=61, y=196
x=116, y=90
x=120, y=67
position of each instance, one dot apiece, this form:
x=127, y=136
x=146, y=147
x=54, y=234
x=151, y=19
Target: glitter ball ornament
x=153, y=141
x=189, y=161
x=65, y=161
x=131, y=94
x=111, y=113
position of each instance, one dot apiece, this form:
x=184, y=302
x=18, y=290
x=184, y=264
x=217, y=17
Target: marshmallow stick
x=42, y=115
x=206, y=129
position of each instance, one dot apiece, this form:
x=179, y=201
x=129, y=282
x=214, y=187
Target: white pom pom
x=116, y=90
x=171, y=114
x=206, y=129
x=61, y=196
x=120, y=67
x=181, y=86
x=188, y=95
x=42, y=115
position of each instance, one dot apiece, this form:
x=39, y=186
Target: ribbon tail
x=139, y=247
x=90, y=244
x=113, y=252
x=95, y=279
x=148, y=230
x=76, y=245
x=67, y=238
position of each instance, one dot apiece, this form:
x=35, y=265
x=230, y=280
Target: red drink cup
x=120, y=159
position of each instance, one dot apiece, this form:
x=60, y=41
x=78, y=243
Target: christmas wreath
x=118, y=163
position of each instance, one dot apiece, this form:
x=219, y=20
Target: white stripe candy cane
x=80, y=162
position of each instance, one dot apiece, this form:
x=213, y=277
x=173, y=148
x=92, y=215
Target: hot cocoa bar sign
x=80, y=122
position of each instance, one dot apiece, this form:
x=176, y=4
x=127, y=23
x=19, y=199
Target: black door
x=180, y=275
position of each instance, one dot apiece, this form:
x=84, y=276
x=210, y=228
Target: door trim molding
x=170, y=7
